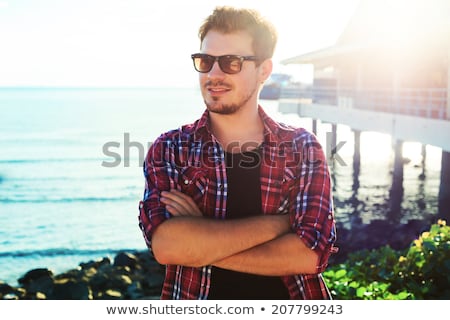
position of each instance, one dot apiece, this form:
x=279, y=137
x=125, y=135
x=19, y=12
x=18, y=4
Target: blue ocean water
x=71, y=175
x=64, y=198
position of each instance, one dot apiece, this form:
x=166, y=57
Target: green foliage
x=420, y=272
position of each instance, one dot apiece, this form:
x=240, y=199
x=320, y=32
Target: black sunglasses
x=229, y=63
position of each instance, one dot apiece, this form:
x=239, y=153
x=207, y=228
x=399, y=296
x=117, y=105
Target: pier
x=402, y=127
x=388, y=72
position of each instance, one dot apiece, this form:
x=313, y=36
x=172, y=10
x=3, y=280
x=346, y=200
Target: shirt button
x=186, y=181
x=330, y=217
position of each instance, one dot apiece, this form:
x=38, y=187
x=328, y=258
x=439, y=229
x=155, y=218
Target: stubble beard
x=216, y=106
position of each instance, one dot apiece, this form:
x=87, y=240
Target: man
x=236, y=205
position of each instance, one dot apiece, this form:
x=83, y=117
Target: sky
x=142, y=43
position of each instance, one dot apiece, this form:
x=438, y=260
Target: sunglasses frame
x=220, y=60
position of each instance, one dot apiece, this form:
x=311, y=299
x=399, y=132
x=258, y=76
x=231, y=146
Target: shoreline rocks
x=376, y=234
x=132, y=275
x=136, y=275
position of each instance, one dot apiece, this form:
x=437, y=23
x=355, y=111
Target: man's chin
x=220, y=108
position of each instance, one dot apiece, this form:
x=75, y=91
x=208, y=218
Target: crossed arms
x=263, y=245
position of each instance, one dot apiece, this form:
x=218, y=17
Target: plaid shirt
x=294, y=179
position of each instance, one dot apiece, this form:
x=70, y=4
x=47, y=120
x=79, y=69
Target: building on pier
x=388, y=72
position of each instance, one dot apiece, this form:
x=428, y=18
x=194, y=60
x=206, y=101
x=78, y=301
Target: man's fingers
x=174, y=210
x=179, y=203
x=174, y=205
x=189, y=201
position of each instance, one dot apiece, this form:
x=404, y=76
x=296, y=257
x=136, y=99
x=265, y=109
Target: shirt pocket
x=193, y=182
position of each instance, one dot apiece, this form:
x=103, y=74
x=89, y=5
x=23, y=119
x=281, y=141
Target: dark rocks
x=70, y=290
x=132, y=276
x=125, y=259
x=35, y=274
x=374, y=235
x=136, y=275
x=10, y=293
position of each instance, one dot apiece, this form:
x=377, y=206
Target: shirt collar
x=203, y=124
x=273, y=131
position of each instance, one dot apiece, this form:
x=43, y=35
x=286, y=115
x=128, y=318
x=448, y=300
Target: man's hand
x=179, y=204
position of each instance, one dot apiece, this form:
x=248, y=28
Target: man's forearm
x=282, y=256
x=198, y=241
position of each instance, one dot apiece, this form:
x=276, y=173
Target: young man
x=236, y=205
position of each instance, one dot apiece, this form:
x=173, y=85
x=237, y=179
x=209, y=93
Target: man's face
x=227, y=93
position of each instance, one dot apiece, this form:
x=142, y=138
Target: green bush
x=420, y=272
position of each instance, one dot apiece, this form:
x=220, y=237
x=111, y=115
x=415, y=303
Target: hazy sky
x=139, y=42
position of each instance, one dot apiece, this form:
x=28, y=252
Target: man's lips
x=218, y=89
x=213, y=90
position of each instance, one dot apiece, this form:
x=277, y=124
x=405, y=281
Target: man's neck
x=238, y=132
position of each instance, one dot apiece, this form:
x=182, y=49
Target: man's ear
x=265, y=69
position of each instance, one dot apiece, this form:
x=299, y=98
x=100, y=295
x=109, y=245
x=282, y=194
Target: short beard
x=224, y=109
x=227, y=109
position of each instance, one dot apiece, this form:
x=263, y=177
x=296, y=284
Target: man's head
x=235, y=58
x=230, y=20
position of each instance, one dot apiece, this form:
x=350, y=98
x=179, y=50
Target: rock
x=111, y=295
x=10, y=296
x=42, y=285
x=37, y=281
x=96, y=264
x=125, y=259
x=34, y=274
x=40, y=296
x=8, y=292
x=119, y=281
x=133, y=275
x=71, y=290
x=5, y=289
x=99, y=281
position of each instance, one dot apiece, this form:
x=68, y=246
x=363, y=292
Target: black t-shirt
x=244, y=200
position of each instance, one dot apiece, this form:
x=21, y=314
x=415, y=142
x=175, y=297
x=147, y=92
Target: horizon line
x=97, y=87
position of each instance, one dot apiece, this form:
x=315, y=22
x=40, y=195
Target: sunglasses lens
x=203, y=63
x=230, y=65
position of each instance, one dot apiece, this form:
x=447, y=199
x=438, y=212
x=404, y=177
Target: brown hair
x=228, y=19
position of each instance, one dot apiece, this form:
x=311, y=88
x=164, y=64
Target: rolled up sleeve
x=152, y=211
x=313, y=218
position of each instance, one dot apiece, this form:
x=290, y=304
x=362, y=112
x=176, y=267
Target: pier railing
x=420, y=102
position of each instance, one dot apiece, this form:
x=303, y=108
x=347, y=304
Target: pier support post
x=314, y=126
x=357, y=149
x=444, y=188
x=356, y=160
x=333, y=138
x=423, y=162
x=396, y=192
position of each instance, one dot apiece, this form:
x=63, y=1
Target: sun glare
x=116, y=45
x=405, y=28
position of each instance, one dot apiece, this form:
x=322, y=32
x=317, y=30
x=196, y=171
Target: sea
x=71, y=171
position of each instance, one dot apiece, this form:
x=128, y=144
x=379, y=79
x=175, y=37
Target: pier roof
x=403, y=27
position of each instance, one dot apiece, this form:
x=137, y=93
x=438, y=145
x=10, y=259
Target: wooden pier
x=430, y=128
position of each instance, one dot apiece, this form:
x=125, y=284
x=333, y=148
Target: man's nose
x=216, y=71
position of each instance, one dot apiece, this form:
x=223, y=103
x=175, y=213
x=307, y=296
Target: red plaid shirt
x=294, y=179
